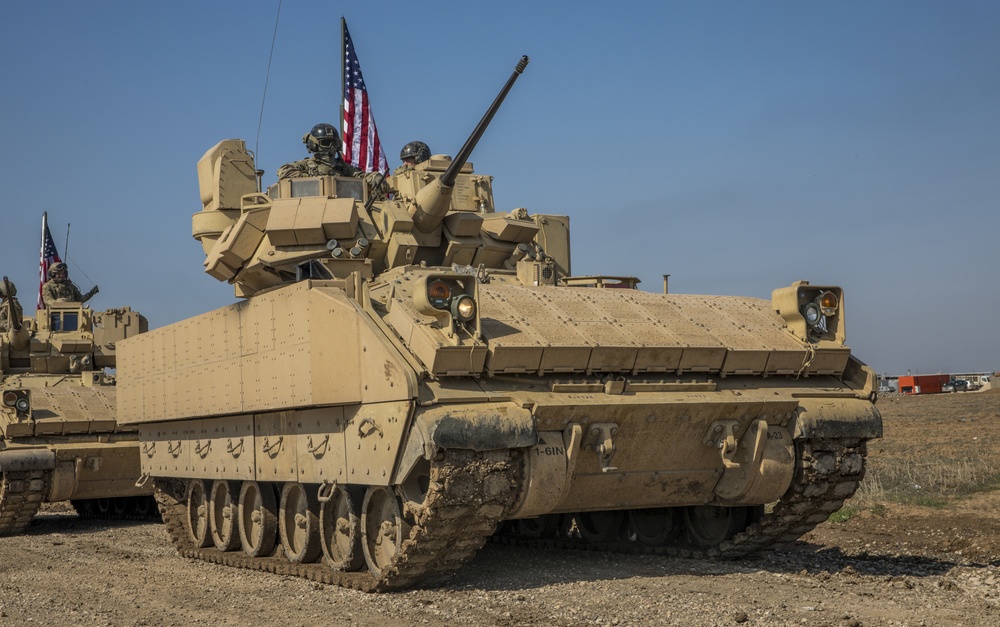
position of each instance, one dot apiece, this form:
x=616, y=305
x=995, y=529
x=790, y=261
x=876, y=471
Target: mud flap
x=486, y=427
x=830, y=418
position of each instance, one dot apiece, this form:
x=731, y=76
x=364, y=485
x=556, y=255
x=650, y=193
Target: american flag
x=48, y=256
x=362, y=148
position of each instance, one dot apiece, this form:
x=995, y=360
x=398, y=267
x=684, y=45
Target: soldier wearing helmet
x=60, y=288
x=413, y=153
x=324, y=143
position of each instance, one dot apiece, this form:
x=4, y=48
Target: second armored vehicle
x=410, y=371
x=58, y=436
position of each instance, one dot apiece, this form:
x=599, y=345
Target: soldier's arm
x=376, y=183
x=292, y=170
x=47, y=295
x=89, y=294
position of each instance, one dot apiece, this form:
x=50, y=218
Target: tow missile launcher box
x=412, y=372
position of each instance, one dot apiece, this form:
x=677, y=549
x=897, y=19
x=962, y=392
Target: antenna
x=267, y=76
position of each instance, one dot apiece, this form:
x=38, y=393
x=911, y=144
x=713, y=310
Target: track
x=468, y=495
x=21, y=494
x=118, y=508
x=827, y=472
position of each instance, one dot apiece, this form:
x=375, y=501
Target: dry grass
x=933, y=481
x=936, y=449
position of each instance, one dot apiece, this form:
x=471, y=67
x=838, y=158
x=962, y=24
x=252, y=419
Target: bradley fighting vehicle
x=411, y=373
x=58, y=436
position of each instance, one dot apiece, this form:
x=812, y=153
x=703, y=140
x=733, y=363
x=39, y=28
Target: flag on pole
x=362, y=148
x=48, y=256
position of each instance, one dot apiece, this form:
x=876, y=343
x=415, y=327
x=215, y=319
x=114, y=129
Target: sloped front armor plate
x=556, y=330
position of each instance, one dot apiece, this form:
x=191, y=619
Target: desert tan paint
x=385, y=328
x=69, y=436
x=303, y=346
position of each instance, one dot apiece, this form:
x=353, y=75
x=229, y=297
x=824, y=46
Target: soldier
x=60, y=288
x=9, y=305
x=324, y=142
x=413, y=153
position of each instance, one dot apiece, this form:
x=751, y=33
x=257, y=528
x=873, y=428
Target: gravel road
x=69, y=571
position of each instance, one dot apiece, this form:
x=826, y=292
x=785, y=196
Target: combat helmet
x=417, y=150
x=322, y=138
x=57, y=268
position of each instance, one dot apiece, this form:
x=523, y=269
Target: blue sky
x=737, y=146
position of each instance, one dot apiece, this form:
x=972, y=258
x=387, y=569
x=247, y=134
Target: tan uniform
x=65, y=291
x=317, y=166
x=5, y=310
x=4, y=318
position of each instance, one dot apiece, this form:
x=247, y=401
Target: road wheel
x=537, y=528
x=298, y=524
x=222, y=516
x=708, y=525
x=600, y=526
x=652, y=527
x=340, y=530
x=257, y=516
x=197, y=513
x=383, y=529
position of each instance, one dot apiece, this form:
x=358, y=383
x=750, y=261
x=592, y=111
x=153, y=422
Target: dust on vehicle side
x=411, y=374
x=58, y=436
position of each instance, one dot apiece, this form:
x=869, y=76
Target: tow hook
x=722, y=435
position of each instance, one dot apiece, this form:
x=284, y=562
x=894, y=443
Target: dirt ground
x=925, y=561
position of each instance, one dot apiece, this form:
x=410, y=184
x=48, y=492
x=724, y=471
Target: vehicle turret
x=68, y=338
x=439, y=213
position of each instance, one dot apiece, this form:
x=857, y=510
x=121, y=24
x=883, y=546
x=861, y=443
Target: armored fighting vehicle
x=58, y=436
x=411, y=372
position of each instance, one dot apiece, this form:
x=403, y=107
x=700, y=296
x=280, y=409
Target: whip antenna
x=267, y=76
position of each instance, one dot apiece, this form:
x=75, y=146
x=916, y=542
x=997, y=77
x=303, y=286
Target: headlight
x=438, y=294
x=446, y=296
x=463, y=308
x=811, y=312
x=20, y=400
x=828, y=303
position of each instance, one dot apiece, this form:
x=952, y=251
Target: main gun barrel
x=448, y=179
x=433, y=201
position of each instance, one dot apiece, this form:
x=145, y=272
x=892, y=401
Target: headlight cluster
x=441, y=296
x=816, y=310
x=18, y=400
